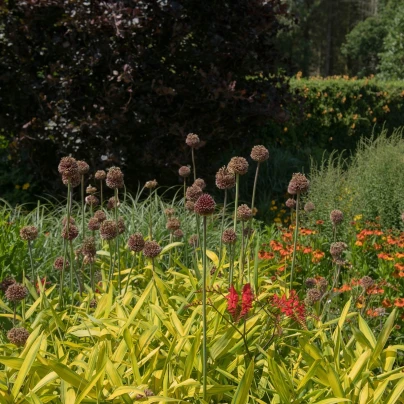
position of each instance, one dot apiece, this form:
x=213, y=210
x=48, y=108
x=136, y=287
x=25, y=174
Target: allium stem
x=73, y=267
x=101, y=195
x=32, y=263
x=193, y=162
x=241, y=265
x=185, y=190
x=236, y=201
x=92, y=277
x=231, y=265
x=83, y=236
x=110, y=262
x=150, y=216
x=222, y=227
x=204, y=351
x=65, y=252
x=130, y=272
x=295, y=240
x=15, y=313
x=254, y=189
x=334, y=231
x=117, y=239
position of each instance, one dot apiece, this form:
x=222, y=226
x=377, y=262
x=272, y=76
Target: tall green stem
x=150, y=217
x=241, y=265
x=295, y=241
x=254, y=189
x=204, y=351
x=111, y=266
x=82, y=209
x=231, y=264
x=32, y=263
x=236, y=201
x=101, y=195
x=222, y=228
x=130, y=272
x=193, y=162
x=117, y=239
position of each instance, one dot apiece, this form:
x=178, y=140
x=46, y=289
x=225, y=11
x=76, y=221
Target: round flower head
x=83, y=167
x=290, y=203
x=121, y=225
x=18, y=336
x=311, y=282
x=178, y=233
x=192, y=140
x=108, y=230
x=313, y=296
x=309, y=207
x=114, y=178
x=93, y=303
x=193, y=240
x=169, y=212
x=58, y=264
x=189, y=206
x=136, y=242
x=184, y=171
x=91, y=190
x=147, y=393
x=94, y=224
x=92, y=200
x=68, y=167
x=100, y=215
x=193, y=193
x=259, y=153
x=71, y=221
x=225, y=179
x=336, y=217
x=151, y=184
x=299, y=184
x=244, y=213
x=71, y=234
x=73, y=180
x=151, y=249
x=29, y=233
x=322, y=284
x=337, y=248
x=88, y=247
x=173, y=224
x=238, y=165
x=100, y=175
x=229, y=236
x=16, y=292
x=205, y=205
x=367, y=282
x=6, y=282
x=111, y=203
x=199, y=182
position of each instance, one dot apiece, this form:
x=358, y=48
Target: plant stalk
x=222, y=227
x=295, y=241
x=204, y=351
x=236, y=201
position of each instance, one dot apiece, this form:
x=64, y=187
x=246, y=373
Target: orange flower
x=385, y=256
x=359, y=302
x=266, y=255
x=359, y=243
x=320, y=222
x=399, y=255
x=375, y=290
x=386, y=303
x=399, y=302
x=399, y=266
x=345, y=288
x=306, y=232
x=372, y=313
x=275, y=245
x=317, y=256
x=307, y=250
x=377, y=246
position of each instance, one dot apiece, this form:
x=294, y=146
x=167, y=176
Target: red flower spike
x=246, y=300
x=232, y=303
x=291, y=307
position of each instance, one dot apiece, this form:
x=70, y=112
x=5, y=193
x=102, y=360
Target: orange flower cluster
x=376, y=289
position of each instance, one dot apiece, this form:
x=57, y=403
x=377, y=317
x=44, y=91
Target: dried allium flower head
x=73, y=180
x=238, y=165
x=18, y=336
x=121, y=225
x=309, y=207
x=259, y=153
x=16, y=292
x=108, y=230
x=93, y=303
x=299, y=184
x=147, y=393
x=337, y=248
x=71, y=220
x=100, y=215
x=111, y=203
x=173, y=224
x=205, y=205
x=192, y=140
x=151, y=184
x=189, y=206
x=290, y=203
x=178, y=233
x=322, y=284
x=244, y=213
x=91, y=190
x=184, y=171
x=193, y=193
x=114, y=178
x=83, y=167
x=68, y=167
x=88, y=247
x=229, y=236
x=58, y=264
x=78, y=253
x=94, y=224
x=169, y=212
x=199, y=182
x=151, y=249
x=225, y=179
x=5, y=283
x=336, y=217
x=92, y=200
x=367, y=282
x=313, y=296
x=29, y=233
x=71, y=234
x=193, y=240
x=100, y=175
x=311, y=283
x=136, y=242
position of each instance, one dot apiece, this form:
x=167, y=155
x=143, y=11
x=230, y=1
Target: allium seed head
x=71, y=234
x=290, y=203
x=18, y=336
x=92, y=200
x=151, y=249
x=68, y=167
x=88, y=247
x=367, y=282
x=94, y=224
x=189, y=206
x=299, y=184
x=322, y=284
x=100, y=215
x=108, y=230
x=121, y=225
x=184, y=171
x=199, y=182
x=238, y=165
x=5, y=283
x=136, y=242
x=205, y=205
x=259, y=153
x=16, y=292
x=100, y=175
x=337, y=248
x=91, y=190
x=169, y=212
x=192, y=140
x=93, y=303
x=244, y=213
x=309, y=207
x=311, y=282
x=173, y=224
x=29, y=233
x=111, y=203
x=58, y=264
x=83, y=167
x=229, y=236
x=74, y=180
x=178, y=233
x=193, y=240
x=193, y=193
x=151, y=184
x=71, y=220
x=114, y=178
x=313, y=296
x=336, y=217
x=225, y=179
